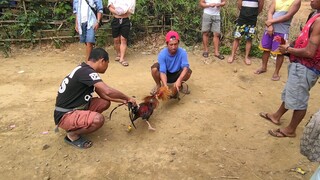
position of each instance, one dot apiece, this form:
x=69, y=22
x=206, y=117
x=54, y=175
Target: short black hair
x=98, y=53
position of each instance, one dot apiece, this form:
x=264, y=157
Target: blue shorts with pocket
x=88, y=35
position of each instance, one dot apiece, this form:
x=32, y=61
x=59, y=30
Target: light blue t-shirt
x=172, y=63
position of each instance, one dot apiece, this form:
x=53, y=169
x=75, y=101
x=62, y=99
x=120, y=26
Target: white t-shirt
x=212, y=10
x=84, y=11
x=123, y=6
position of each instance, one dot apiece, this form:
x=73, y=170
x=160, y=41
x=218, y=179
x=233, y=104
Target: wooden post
x=24, y=7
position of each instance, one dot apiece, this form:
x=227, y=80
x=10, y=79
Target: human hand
x=96, y=26
x=212, y=5
x=177, y=85
x=76, y=28
x=132, y=101
x=270, y=30
x=268, y=23
x=283, y=48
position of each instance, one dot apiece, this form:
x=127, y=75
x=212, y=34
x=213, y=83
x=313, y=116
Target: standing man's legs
x=123, y=48
x=279, y=62
x=116, y=43
x=205, y=42
x=235, y=46
x=295, y=96
x=247, y=60
x=216, y=43
x=89, y=47
x=264, y=63
x=206, y=25
x=87, y=37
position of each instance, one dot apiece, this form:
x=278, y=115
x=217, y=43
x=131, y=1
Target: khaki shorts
x=211, y=23
x=296, y=91
x=78, y=119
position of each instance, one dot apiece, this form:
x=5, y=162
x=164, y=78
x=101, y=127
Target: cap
x=171, y=35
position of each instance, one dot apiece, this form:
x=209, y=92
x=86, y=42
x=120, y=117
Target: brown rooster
x=145, y=109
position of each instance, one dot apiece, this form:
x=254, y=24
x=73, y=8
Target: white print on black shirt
x=94, y=76
x=64, y=83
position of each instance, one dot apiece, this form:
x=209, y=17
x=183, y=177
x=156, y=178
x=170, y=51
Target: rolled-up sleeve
x=75, y=6
x=184, y=61
x=99, y=6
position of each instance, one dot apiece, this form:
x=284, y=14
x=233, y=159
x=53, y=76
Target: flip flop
x=275, y=78
x=220, y=56
x=266, y=117
x=260, y=71
x=124, y=63
x=81, y=143
x=117, y=58
x=278, y=133
x=205, y=54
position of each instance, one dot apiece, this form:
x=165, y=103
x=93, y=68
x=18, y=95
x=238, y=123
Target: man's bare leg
x=235, y=46
x=248, y=48
x=216, y=43
x=279, y=62
x=205, y=41
x=123, y=48
x=297, y=117
x=97, y=123
x=89, y=47
x=264, y=64
x=116, y=42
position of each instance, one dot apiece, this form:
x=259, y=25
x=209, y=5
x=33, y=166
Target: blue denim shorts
x=88, y=35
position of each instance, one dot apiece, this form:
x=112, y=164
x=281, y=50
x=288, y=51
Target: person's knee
x=123, y=39
x=105, y=105
x=98, y=120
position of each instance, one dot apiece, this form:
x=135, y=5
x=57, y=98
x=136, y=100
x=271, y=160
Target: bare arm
x=269, y=15
x=260, y=7
x=203, y=4
x=239, y=4
x=179, y=80
x=164, y=79
x=223, y=2
x=292, y=11
x=312, y=46
x=110, y=94
x=76, y=24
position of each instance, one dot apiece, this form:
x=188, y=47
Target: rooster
x=145, y=109
x=279, y=39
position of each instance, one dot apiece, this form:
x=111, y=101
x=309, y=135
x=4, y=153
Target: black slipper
x=205, y=54
x=220, y=56
x=81, y=143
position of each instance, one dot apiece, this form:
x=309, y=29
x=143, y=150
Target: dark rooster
x=145, y=109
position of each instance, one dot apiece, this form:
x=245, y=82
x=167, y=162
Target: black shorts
x=120, y=26
x=171, y=77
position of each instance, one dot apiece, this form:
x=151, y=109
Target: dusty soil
x=213, y=133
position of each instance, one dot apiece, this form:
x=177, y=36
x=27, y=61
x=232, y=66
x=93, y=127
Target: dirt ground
x=213, y=133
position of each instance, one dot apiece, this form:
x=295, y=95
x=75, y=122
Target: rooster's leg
x=150, y=127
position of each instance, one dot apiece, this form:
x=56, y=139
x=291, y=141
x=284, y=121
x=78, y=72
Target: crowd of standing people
x=79, y=113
